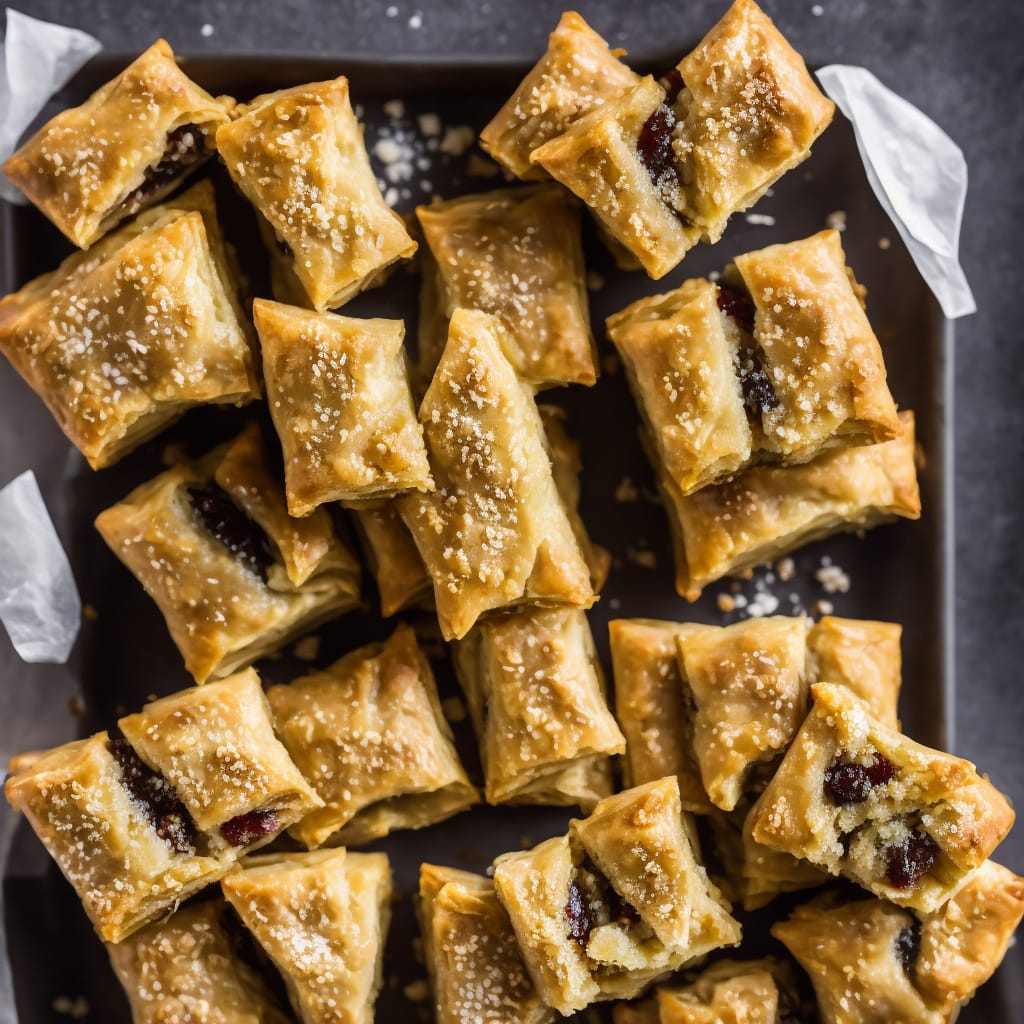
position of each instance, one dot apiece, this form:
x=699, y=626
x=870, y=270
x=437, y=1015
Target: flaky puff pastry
x=618, y=902
x=767, y=511
x=104, y=841
x=242, y=578
x=129, y=144
x=873, y=963
x=477, y=974
x=517, y=254
x=536, y=692
x=577, y=73
x=860, y=799
x=186, y=968
x=494, y=533
x=322, y=918
x=299, y=157
x=121, y=340
x=215, y=745
x=369, y=735
x=339, y=395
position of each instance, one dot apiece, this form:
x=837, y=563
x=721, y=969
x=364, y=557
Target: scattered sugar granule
x=454, y=709
x=715, y=275
x=307, y=648
x=429, y=124
x=595, y=282
x=726, y=603
x=206, y=31
x=527, y=842
x=457, y=139
x=416, y=20
x=823, y=607
x=786, y=569
x=764, y=219
x=626, y=491
x=394, y=108
x=764, y=602
x=884, y=243
x=614, y=603
x=644, y=557
x=836, y=220
x=831, y=577
x=417, y=991
x=392, y=12
x=817, y=10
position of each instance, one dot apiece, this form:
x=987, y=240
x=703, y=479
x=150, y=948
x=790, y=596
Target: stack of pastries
x=213, y=836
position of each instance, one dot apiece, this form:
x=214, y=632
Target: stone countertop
x=960, y=63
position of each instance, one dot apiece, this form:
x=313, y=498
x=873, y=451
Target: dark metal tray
x=901, y=572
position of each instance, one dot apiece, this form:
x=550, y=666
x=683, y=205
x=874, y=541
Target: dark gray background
x=960, y=62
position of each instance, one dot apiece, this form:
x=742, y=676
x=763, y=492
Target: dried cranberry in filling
x=672, y=82
x=184, y=146
x=738, y=306
x=908, y=945
x=155, y=795
x=654, y=147
x=910, y=860
x=621, y=911
x=577, y=914
x=848, y=782
x=247, y=828
x=232, y=527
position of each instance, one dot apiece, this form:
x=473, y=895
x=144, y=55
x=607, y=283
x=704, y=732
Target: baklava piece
x=180, y=968
x=620, y=901
x=339, y=395
x=299, y=157
x=128, y=145
x=516, y=254
x=393, y=559
x=369, y=735
x=322, y=918
x=779, y=365
x=858, y=798
x=139, y=823
x=494, y=533
x=578, y=73
x=767, y=511
x=536, y=694
x=476, y=971
x=121, y=340
x=664, y=164
x=873, y=963
x=234, y=575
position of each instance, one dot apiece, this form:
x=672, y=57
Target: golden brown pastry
x=369, y=735
x=767, y=511
x=577, y=73
x=299, y=157
x=476, y=971
x=338, y=391
x=124, y=148
x=874, y=963
x=516, y=254
x=393, y=559
x=619, y=902
x=537, y=698
x=234, y=575
x=186, y=968
x=858, y=798
x=780, y=364
x=121, y=340
x=494, y=534
x=322, y=918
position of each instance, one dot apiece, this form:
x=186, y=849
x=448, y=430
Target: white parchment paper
x=37, y=59
x=918, y=173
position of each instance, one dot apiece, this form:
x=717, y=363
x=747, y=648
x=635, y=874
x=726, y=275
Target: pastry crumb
x=610, y=363
x=626, y=491
x=76, y=1008
x=457, y=140
x=726, y=603
x=884, y=243
x=89, y=613
x=307, y=648
x=595, y=282
x=454, y=709
x=761, y=219
x=417, y=991
x=836, y=220
x=823, y=607
x=786, y=569
x=644, y=557
x=832, y=578
x=76, y=706
x=478, y=166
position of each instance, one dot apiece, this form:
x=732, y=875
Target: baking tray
x=901, y=572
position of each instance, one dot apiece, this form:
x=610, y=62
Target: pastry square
x=121, y=340
x=768, y=511
x=338, y=391
x=494, y=534
x=322, y=918
x=476, y=970
x=620, y=901
x=116, y=831
x=173, y=969
x=298, y=156
x=780, y=364
x=577, y=73
x=536, y=693
x=133, y=141
x=369, y=735
x=860, y=799
x=650, y=708
x=393, y=559
x=215, y=747
x=517, y=254
x=234, y=575
x=872, y=962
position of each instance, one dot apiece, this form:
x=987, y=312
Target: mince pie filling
x=186, y=145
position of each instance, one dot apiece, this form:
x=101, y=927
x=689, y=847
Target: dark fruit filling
x=587, y=902
x=672, y=83
x=233, y=528
x=166, y=813
x=654, y=147
x=738, y=306
x=247, y=828
x=578, y=914
x=908, y=946
x=284, y=248
x=848, y=782
x=185, y=145
x=908, y=861
x=758, y=392
x=620, y=911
